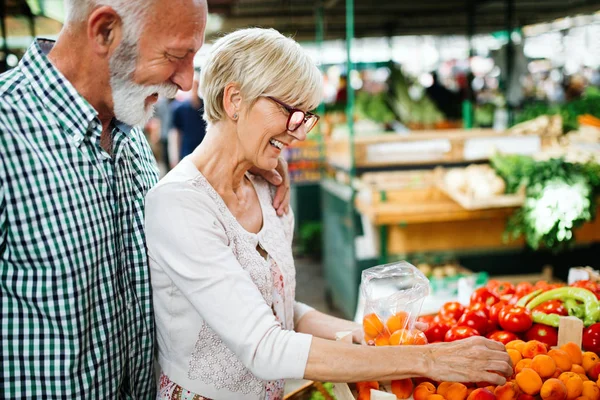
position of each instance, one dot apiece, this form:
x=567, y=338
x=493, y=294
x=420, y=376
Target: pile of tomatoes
x=492, y=312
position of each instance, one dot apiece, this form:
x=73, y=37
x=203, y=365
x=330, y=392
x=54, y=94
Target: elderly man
x=76, y=316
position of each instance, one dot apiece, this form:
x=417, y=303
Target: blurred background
x=461, y=135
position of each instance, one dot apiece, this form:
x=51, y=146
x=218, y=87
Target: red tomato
x=459, y=332
x=523, y=288
x=542, y=333
x=495, y=310
x=480, y=307
x=552, y=307
x=452, y=310
x=474, y=319
x=502, y=336
x=515, y=318
x=503, y=288
x=591, y=338
x=436, y=332
x=439, y=319
x=483, y=295
x=428, y=319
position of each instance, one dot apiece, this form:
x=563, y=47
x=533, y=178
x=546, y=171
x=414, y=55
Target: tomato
x=589, y=285
x=502, y=336
x=427, y=319
x=439, y=319
x=552, y=307
x=515, y=318
x=542, y=333
x=483, y=295
x=480, y=307
x=436, y=332
x=503, y=288
x=452, y=310
x=459, y=332
x=523, y=288
x=495, y=310
x=591, y=338
x=474, y=319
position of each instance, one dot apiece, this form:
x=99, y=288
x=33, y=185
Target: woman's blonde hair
x=262, y=62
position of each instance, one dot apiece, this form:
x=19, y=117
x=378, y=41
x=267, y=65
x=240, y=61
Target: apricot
x=574, y=352
x=423, y=390
x=515, y=356
x=529, y=381
x=443, y=388
x=557, y=373
x=544, y=365
x=372, y=325
x=402, y=388
x=594, y=372
x=533, y=348
x=397, y=321
x=574, y=384
x=525, y=396
x=383, y=339
x=456, y=391
x=481, y=394
x=590, y=359
x=578, y=369
x=435, y=397
x=553, y=389
x=561, y=358
x=591, y=390
x=508, y=391
x=524, y=363
x=515, y=344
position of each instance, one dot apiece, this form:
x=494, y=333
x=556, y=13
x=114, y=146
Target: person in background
x=223, y=275
x=76, y=315
x=164, y=115
x=187, y=121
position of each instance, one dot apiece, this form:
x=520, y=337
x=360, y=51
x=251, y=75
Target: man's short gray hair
x=132, y=12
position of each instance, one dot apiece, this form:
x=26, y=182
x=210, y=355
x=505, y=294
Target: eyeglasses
x=297, y=117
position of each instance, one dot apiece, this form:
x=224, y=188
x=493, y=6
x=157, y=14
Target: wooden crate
x=428, y=147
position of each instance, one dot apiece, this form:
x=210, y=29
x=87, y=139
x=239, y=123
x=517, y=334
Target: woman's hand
x=475, y=359
x=278, y=177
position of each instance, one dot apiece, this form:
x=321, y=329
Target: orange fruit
x=529, y=381
x=435, y=397
x=574, y=384
x=443, y=388
x=544, y=365
x=508, y=391
x=397, y=321
x=553, y=389
x=524, y=363
x=577, y=369
x=591, y=390
x=423, y=390
x=383, y=339
x=456, y=391
x=589, y=360
x=402, y=388
x=515, y=344
x=574, y=352
x=405, y=336
x=372, y=325
x=515, y=356
x=533, y=348
x=561, y=358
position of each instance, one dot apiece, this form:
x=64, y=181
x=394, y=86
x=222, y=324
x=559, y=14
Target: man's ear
x=104, y=30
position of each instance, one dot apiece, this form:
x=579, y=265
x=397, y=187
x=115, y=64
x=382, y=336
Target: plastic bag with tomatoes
x=394, y=294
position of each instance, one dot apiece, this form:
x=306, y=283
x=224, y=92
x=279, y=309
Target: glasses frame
x=291, y=110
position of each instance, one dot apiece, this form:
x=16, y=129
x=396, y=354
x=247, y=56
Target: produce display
x=477, y=181
x=560, y=197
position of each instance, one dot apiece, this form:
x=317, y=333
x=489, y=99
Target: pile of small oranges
x=558, y=374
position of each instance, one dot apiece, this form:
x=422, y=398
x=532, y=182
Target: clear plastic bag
x=394, y=294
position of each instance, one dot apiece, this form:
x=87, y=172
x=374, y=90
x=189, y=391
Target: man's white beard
x=129, y=98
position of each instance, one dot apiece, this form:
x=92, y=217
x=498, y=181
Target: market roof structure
x=373, y=18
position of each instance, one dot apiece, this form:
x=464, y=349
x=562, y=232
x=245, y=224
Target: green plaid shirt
x=76, y=316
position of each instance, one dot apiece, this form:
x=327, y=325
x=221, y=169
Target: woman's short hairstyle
x=262, y=62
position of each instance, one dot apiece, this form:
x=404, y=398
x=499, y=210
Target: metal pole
x=3, y=64
x=510, y=50
x=350, y=90
x=469, y=101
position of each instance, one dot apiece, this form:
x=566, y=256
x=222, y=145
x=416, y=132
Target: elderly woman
x=221, y=259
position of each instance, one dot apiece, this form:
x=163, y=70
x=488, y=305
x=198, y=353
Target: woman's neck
x=220, y=159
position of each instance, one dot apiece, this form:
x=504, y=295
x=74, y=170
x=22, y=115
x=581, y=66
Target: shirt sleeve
x=189, y=243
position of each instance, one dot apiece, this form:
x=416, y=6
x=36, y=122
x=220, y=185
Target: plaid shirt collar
x=76, y=115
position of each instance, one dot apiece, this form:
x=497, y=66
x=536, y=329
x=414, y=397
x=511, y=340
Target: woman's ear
x=104, y=30
x=232, y=100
